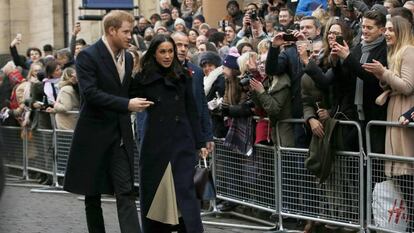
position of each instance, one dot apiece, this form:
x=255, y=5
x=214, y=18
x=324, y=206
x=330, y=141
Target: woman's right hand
x=317, y=127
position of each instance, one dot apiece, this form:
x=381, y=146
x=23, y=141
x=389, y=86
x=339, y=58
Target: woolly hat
x=179, y=21
x=158, y=25
x=230, y=60
x=211, y=58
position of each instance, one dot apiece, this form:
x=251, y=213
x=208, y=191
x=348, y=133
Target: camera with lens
x=245, y=80
x=249, y=103
x=253, y=15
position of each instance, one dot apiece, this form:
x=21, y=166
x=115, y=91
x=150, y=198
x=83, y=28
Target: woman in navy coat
x=172, y=137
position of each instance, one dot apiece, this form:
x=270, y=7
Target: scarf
x=119, y=59
x=239, y=138
x=359, y=89
x=211, y=78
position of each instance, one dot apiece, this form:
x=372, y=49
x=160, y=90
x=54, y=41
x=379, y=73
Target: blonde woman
x=67, y=100
x=398, y=81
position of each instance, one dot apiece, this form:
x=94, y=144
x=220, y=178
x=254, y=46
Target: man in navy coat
x=101, y=155
x=181, y=40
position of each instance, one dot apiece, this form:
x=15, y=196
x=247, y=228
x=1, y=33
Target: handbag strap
x=204, y=161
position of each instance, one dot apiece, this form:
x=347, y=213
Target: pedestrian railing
x=390, y=183
x=245, y=180
x=271, y=180
x=13, y=150
x=337, y=201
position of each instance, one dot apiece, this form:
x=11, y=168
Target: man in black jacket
x=372, y=47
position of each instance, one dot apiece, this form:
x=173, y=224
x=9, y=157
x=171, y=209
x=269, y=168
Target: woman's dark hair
x=347, y=34
x=242, y=45
x=149, y=64
x=217, y=38
x=179, y=11
x=209, y=46
x=194, y=30
x=156, y=16
x=48, y=48
x=211, y=31
x=80, y=42
x=35, y=49
x=403, y=12
x=50, y=68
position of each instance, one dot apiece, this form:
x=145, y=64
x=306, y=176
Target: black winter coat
x=372, y=90
x=172, y=134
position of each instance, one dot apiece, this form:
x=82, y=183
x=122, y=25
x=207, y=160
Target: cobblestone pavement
x=22, y=211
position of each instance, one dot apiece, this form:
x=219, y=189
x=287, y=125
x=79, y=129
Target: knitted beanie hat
x=211, y=58
x=230, y=60
x=179, y=21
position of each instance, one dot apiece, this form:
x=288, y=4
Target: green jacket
x=311, y=97
x=276, y=101
x=321, y=153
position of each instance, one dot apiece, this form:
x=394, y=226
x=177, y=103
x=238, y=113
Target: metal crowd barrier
x=245, y=180
x=274, y=181
x=397, y=213
x=338, y=201
x=13, y=149
x=45, y=151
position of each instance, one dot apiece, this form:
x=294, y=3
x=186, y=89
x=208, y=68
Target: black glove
x=225, y=109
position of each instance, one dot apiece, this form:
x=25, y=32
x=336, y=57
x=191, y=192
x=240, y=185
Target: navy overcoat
x=103, y=120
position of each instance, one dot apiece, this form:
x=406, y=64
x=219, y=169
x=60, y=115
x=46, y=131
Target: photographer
x=283, y=59
x=237, y=106
x=252, y=29
x=273, y=95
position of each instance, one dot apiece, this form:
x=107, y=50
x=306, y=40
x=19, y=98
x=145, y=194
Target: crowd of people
x=317, y=60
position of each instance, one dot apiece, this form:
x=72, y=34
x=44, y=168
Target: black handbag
x=201, y=177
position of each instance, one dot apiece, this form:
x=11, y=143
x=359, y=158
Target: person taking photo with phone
x=283, y=58
x=367, y=88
